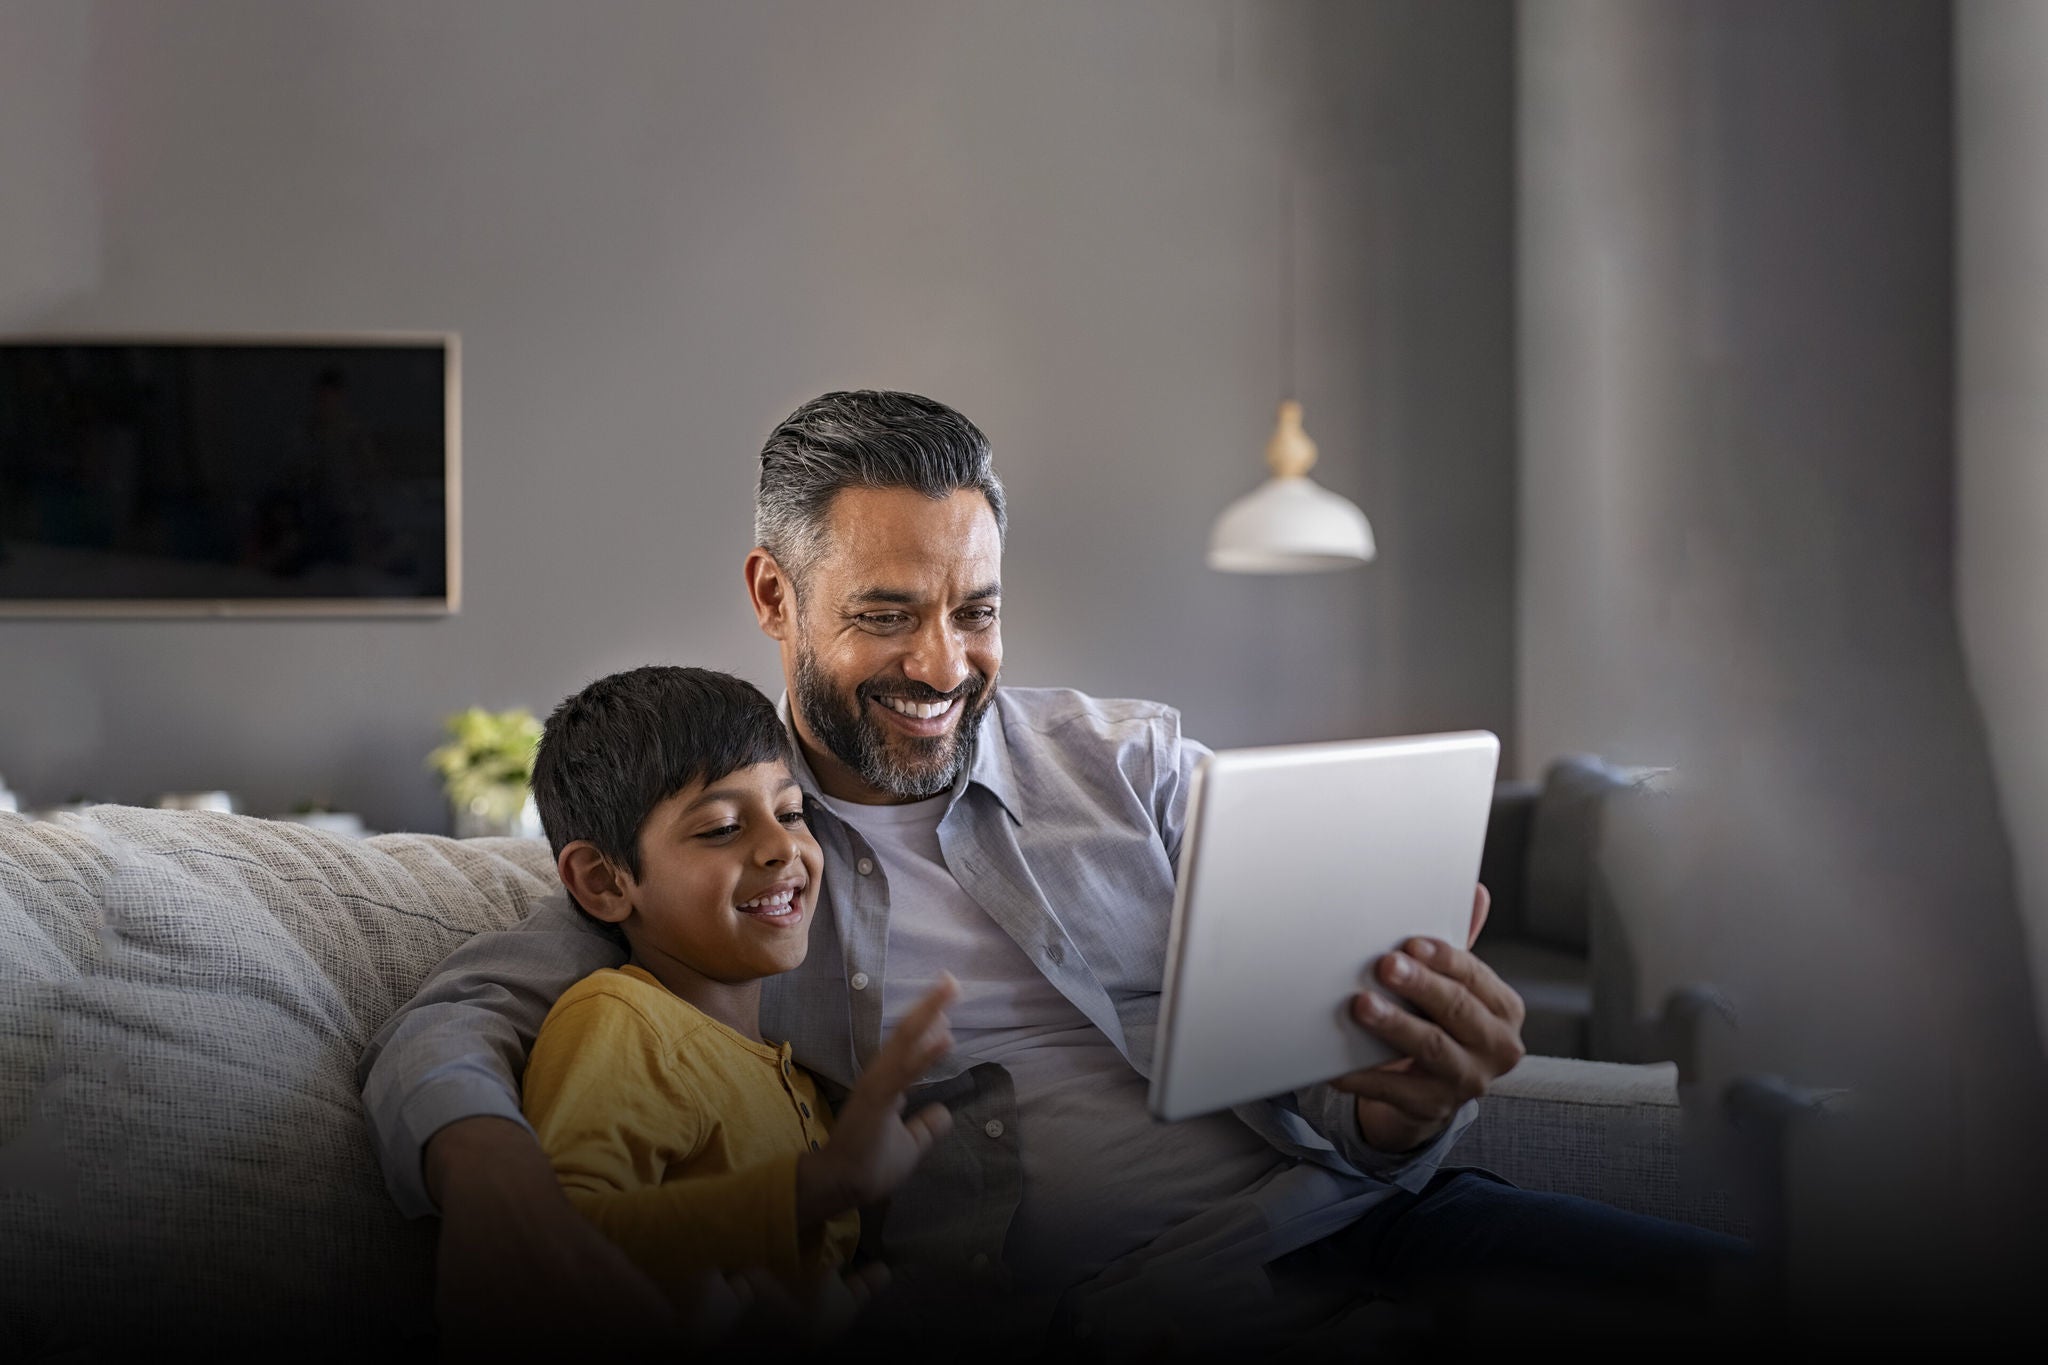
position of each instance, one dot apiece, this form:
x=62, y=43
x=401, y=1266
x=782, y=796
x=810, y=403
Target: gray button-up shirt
x=1065, y=829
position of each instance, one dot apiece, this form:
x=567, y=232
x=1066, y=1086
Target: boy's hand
x=873, y=1146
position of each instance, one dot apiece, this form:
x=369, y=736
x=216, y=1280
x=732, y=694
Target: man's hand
x=1469, y=1035
x=873, y=1147
x=519, y=1272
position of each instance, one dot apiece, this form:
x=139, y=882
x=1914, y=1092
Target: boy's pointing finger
x=932, y=1002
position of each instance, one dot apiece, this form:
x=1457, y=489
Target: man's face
x=729, y=876
x=897, y=644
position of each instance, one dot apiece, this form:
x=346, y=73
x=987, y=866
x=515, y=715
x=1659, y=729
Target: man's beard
x=902, y=765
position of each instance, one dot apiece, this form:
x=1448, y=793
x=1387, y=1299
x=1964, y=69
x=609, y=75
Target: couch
x=183, y=1163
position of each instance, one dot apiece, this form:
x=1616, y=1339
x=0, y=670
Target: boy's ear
x=595, y=884
x=768, y=589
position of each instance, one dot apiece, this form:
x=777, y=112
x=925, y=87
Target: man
x=1023, y=840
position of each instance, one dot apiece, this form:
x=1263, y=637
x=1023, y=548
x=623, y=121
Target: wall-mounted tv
x=283, y=476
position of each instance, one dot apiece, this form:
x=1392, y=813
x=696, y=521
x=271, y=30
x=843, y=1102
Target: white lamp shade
x=1290, y=525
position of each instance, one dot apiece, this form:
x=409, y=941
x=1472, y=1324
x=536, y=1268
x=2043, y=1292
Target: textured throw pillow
x=183, y=998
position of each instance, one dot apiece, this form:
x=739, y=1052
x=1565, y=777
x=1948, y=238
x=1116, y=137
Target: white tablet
x=1300, y=866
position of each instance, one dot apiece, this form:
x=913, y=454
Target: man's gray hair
x=862, y=439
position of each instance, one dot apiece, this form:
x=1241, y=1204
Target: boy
x=691, y=1141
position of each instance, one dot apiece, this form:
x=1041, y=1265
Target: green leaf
x=488, y=756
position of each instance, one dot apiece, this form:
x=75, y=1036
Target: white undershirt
x=1101, y=1176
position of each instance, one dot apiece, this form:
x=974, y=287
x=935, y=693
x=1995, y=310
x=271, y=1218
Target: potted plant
x=486, y=768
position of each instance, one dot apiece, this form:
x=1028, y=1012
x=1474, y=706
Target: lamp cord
x=1290, y=139
x=1287, y=276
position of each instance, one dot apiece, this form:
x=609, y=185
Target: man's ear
x=772, y=595
x=596, y=885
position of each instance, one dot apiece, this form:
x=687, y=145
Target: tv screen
x=278, y=475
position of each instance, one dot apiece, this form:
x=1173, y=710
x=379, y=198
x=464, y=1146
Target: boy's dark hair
x=613, y=752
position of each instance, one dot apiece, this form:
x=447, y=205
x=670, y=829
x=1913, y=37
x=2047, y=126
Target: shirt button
x=865, y=867
x=814, y=1144
x=980, y=1261
x=859, y=981
x=805, y=1107
x=1055, y=954
x=994, y=1128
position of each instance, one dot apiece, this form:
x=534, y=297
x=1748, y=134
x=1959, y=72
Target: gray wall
x=660, y=226
x=1738, y=545
x=2002, y=418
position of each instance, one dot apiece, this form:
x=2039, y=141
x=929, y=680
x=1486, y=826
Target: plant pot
x=506, y=812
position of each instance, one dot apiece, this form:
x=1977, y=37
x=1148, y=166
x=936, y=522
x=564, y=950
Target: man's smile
x=924, y=720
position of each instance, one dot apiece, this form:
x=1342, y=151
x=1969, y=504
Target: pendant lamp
x=1290, y=523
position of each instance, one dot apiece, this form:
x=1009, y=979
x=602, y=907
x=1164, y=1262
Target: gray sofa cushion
x=1601, y=1130
x=185, y=994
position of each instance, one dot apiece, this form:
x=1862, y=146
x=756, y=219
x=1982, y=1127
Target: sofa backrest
x=183, y=998
x=1564, y=847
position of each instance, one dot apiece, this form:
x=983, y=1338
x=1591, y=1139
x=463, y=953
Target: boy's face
x=729, y=876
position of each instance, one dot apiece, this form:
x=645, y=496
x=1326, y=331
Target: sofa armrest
x=1599, y=1130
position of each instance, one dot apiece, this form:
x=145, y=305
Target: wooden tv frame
x=446, y=605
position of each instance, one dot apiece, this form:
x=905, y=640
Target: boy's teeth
x=780, y=899
x=922, y=710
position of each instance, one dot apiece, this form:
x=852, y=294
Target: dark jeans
x=1473, y=1262
x=1469, y=1264
x=1468, y=1223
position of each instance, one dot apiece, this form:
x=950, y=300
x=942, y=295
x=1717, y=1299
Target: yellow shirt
x=676, y=1135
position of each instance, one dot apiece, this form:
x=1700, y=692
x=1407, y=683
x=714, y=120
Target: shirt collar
x=990, y=765
x=989, y=768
